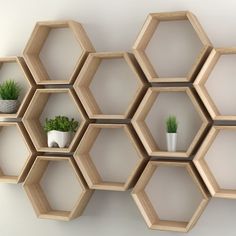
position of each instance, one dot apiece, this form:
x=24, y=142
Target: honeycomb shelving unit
x=86, y=76
x=28, y=158
x=37, y=40
x=145, y=205
x=26, y=77
x=202, y=78
x=34, y=111
x=90, y=172
x=143, y=130
x=37, y=196
x=146, y=34
x=205, y=170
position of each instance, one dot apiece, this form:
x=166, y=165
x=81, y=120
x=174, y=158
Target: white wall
x=111, y=25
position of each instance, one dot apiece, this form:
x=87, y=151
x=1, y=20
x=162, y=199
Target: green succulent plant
x=171, y=124
x=9, y=90
x=61, y=123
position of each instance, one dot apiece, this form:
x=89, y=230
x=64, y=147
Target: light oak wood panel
x=205, y=171
x=34, y=127
x=29, y=159
x=145, y=205
x=202, y=78
x=150, y=144
x=38, y=198
x=146, y=34
x=85, y=77
x=88, y=168
x=37, y=40
x=27, y=77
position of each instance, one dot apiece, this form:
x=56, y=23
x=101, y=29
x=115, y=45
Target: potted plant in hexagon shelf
x=60, y=131
x=171, y=133
x=9, y=93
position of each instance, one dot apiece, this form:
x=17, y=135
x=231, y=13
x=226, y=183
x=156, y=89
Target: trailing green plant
x=61, y=123
x=9, y=90
x=171, y=124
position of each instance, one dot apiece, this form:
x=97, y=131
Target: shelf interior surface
x=173, y=48
x=53, y=55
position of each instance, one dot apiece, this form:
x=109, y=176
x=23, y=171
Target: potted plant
x=171, y=133
x=60, y=131
x=9, y=93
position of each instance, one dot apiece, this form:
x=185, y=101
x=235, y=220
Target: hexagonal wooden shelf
x=38, y=199
x=34, y=127
x=202, y=78
x=29, y=159
x=86, y=76
x=37, y=40
x=146, y=34
x=19, y=61
x=144, y=132
x=89, y=170
x=145, y=205
x=205, y=171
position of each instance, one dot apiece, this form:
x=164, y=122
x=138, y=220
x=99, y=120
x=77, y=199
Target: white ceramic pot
x=8, y=106
x=59, y=138
x=171, y=139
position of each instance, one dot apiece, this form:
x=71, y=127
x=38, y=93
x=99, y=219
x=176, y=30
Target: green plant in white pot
x=9, y=93
x=60, y=131
x=171, y=133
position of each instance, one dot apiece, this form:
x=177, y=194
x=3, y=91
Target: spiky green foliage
x=9, y=90
x=61, y=123
x=171, y=124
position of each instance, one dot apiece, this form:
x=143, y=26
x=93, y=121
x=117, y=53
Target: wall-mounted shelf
x=84, y=158
x=208, y=174
x=36, y=43
x=82, y=85
x=140, y=124
x=25, y=152
x=146, y=206
x=146, y=34
x=18, y=72
x=206, y=73
x=36, y=108
x=37, y=196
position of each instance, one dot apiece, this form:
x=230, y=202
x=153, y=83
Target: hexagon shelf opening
x=104, y=168
x=215, y=161
x=14, y=162
x=40, y=42
x=148, y=203
x=149, y=120
x=14, y=68
x=47, y=103
x=215, y=84
x=147, y=36
x=121, y=73
x=38, y=198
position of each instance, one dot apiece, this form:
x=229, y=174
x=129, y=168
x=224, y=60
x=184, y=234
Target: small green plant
x=61, y=123
x=9, y=90
x=171, y=124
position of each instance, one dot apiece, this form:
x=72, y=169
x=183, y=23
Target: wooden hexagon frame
x=4, y=178
x=34, y=128
x=86, y=75
x=27, y=76
x=204, y=169
x=144, y=133
x=202, y=77
x=36, y=42
x=146, y=34
x=38, y=199
x=88, y=167
x=146, y=208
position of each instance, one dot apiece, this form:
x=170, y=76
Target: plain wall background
x=111, y=25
